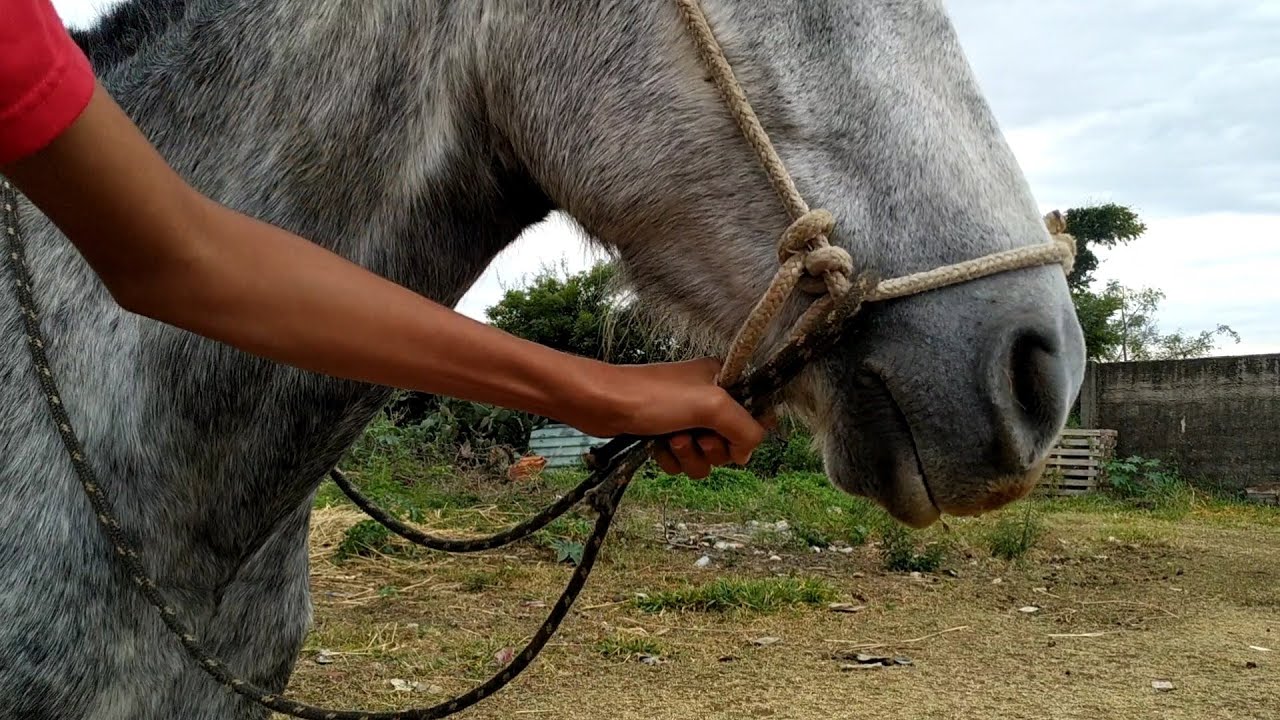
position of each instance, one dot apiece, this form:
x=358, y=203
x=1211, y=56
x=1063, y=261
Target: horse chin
x=870, y=449
x=871, y=452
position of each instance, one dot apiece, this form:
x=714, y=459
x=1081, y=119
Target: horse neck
x=354, y=126
x=357, y=125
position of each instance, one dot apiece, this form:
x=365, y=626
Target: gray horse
x=420, y=138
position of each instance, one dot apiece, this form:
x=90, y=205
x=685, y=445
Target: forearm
x=274, y=294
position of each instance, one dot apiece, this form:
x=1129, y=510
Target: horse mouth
x=901, y=485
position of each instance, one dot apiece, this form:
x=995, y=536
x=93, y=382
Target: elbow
x=139, y=298
x=168, y=285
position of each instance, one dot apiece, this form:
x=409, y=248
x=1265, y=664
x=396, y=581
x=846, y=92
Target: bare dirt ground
x=1119, y=602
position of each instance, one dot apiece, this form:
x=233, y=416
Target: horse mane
x=126, y=29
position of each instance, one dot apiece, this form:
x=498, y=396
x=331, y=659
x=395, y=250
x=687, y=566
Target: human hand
x=703, y=425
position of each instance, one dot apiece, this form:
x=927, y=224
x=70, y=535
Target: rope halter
x=809, y=262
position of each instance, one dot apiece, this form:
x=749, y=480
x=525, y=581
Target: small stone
x=782, y=526
x=400, y=685
x=845, y=607
x=996, y=581
x=504, y=656
x=858, y=575
x=324, y=658
x=766, y=641
x=650, y=660
x=845, y=550
x=775, y=558
x=682, y=527
x=726, y=545
x=1161, y=685
x=815, y=548
x=703, y=561
x=1029, y=609
x=915, y=575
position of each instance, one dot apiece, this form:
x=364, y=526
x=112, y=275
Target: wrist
x=591, y=396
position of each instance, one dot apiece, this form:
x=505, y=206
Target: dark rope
x=469, y=545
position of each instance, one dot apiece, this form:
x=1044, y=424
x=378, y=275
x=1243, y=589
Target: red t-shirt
x=45, y=80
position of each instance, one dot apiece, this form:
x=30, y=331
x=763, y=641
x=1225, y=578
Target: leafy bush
x=788, y=449
x=365, y=538
x=1148, y=483
x=800, y=456
x=898, y=549
x=1012, y=538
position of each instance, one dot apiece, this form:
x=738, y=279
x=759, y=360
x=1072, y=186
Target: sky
x=1167, y=107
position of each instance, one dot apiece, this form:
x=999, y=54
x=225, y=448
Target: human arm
x=167, y=252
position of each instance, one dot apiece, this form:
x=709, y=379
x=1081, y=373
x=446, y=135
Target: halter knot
x=1056, y=224
x=826, y=267
x=800, y=237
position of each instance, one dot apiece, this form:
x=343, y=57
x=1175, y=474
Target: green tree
x=1093, y=226
x=582, y=313
x=1138, y=335
x=1106, y=225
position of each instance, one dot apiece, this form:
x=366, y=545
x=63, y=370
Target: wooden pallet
x=1077, y=464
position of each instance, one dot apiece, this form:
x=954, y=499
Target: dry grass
x=1122, y=601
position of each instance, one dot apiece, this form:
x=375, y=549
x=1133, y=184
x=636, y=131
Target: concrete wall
x=1218, y=419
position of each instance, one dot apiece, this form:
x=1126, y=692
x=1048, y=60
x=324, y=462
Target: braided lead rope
x=467, y=545
x=805, y=252
x=614, y=465
x=612, y=482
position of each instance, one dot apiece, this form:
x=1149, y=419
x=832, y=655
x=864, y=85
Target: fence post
x=1089, y=397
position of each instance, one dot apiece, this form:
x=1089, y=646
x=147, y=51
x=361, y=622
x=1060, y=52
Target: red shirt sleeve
x=45, y=79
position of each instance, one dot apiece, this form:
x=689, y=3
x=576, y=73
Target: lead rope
x=614, y=465
x=808, y=262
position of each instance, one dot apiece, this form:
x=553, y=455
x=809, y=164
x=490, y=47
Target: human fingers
x=735, y=425
x=714, y=449
x=668, y=462
x=686, y=452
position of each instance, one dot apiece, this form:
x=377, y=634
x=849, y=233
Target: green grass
x=729, y=593
x=629, y=646
x=1015, y=535
x=400, y=469
x=902, y=551
x=818, y=513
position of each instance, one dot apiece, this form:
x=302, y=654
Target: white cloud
x=1166, y=107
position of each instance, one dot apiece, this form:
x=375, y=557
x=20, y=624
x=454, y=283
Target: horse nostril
x=1031, y=397
x=1032, y=366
